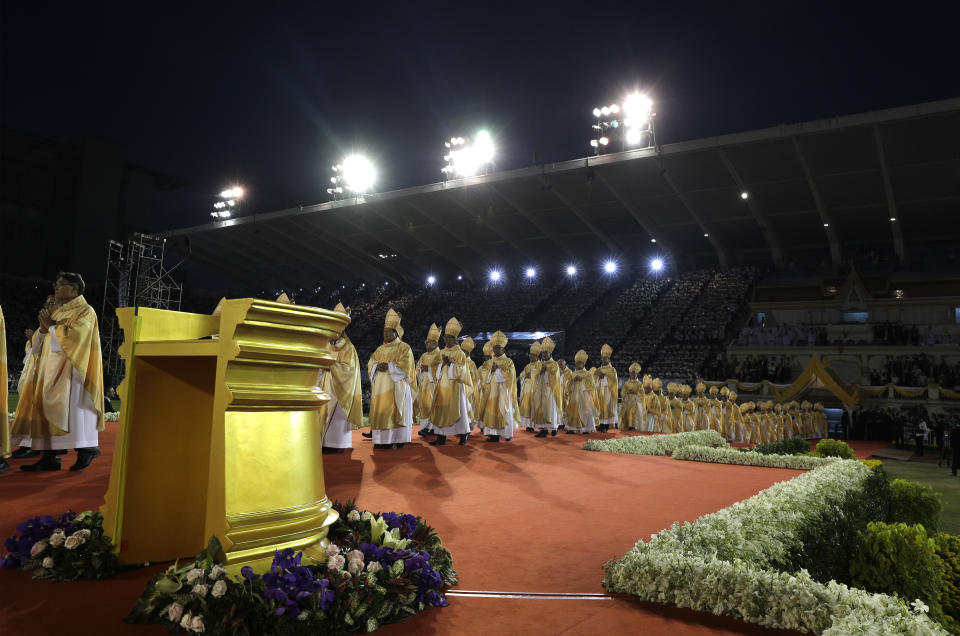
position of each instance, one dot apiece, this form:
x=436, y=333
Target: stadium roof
x=811, y=186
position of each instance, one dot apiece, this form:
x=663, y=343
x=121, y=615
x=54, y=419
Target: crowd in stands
x=916, y=370
x=884, y=334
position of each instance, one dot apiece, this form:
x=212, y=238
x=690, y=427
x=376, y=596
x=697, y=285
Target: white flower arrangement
x=750, y=458
x=722, y=563
x=656, y=444
x=112, y=417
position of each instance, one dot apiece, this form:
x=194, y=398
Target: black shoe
x=49, y=461
x=571, y=432
x=367, y=435
x=23, y=452
x=401, y=444
x=493, y=438
x=553, y=433
x=4, y=466
x=422, y=433
x=542, y=433
x=84, y=457
x=508, y=439
x=561, y=427
x=440, y=441
x=529, y=429
x=463, y=439
x=383, y=446
x=326, y=450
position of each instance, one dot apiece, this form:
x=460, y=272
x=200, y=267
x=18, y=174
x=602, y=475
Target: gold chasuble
x=528, y=383
x=547, y=392
x=78, y=333
x=30, y=387
x=483, y=371
x=473, y=396
x=5, y=432
x=447, y=402
x=343, y=382
x=427, y=368
x=631, y=410
x=500, y=398
x=387, y=394
x=607, y=393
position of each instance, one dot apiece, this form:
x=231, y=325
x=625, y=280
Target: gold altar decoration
x=219, y=433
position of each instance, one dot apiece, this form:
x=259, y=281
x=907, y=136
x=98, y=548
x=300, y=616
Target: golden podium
x=219, y=433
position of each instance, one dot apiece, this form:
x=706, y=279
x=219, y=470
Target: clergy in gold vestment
x=30, y=387
x=546, y=409
x=467, y=346
x=715, y=410
x=675, y=407
x=631, y=410
x=498, y=412
x=735, y=423
x=5, y=431
x=608, y=387
x=688, y=409
x=393, y=382
x=72, y=394
x=701, y=412
x=482, y=372
x=451, y=409
x=344, y=412
x=427, y=368
x=565, y=372
x=651, y=405
x=528, y=381
x=582, y=398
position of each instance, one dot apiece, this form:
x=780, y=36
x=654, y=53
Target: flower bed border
x=656, y=444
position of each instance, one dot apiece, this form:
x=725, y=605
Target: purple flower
x=406, y=523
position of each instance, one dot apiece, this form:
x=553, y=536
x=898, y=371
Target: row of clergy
x=444, y=393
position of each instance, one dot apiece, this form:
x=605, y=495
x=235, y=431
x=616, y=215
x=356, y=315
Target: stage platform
x=529, y=523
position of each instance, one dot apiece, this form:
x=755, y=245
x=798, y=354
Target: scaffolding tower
x=135, y=277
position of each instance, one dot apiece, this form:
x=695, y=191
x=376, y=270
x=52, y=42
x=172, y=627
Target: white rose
x=216, y=573
x=200, y=590
x=355, y=555
x=194, y=575
x=353, y=515
x=219, y=588
x=48, y=562
x=185, y=622
x=374, y=566
x=197, y=624
x=367, y=515
x=336, y=562
x=333, y=549
x=38, y=547
x=57, y=538
x=84, y=534
x=174, y=612
x=355, y=567
x=72, y=542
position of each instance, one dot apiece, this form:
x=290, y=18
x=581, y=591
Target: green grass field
x=940, y=479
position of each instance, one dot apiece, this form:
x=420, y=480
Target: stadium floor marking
x=549, y=596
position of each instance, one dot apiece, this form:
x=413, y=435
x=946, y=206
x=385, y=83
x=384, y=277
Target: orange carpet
x=532, y=516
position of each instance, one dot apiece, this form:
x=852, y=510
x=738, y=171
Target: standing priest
x=344, y=412
x=451, y=405
x=72, y=394
x=499, y=410
x=393, y=382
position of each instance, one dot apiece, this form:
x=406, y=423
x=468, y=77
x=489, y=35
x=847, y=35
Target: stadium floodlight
x=637, y=106
x=597, y=112
x=466, y=159
x=892, y=219
x=571, y=270
x=744, y=195
x=826, y=225
x=531, y=272
x=604, y=141
x=656, y=264
x=653, y=240
x=495, y=275
x=610, y=267
x=229, y=198
x=459, y=276
x=431, y=279
x=633, y=136
x=355, y=173
x=705, y=235
x=233, y=193
x=594, y=143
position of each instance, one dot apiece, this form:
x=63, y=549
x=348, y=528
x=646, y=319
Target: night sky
x=269, y=95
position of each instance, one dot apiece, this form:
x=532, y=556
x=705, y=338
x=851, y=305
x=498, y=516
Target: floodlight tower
x=630, y=122
x=227, y=203
x=355, y=174
x=468, y=158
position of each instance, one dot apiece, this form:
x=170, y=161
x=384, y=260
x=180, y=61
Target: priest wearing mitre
x=451, y=413
x=467, y=346
x=72, y=394
x=393, y=383
x=344, y=412
x=528, y=382
x=608, y=387
x=427, y=368
x=499, y=409
x=581, y=398
x=482, y=372
x=547, y=409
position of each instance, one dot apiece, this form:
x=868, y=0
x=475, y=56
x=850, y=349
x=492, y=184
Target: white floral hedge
x=750, y=458
x=725, y=563
x=656, y=444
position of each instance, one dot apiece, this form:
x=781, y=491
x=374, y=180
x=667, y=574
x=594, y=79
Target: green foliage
x=834, y=448
x=872, y=463
x=792, y=446
x=900, y=559
x=914, y=502
x=948, y=549
x=830, y=540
